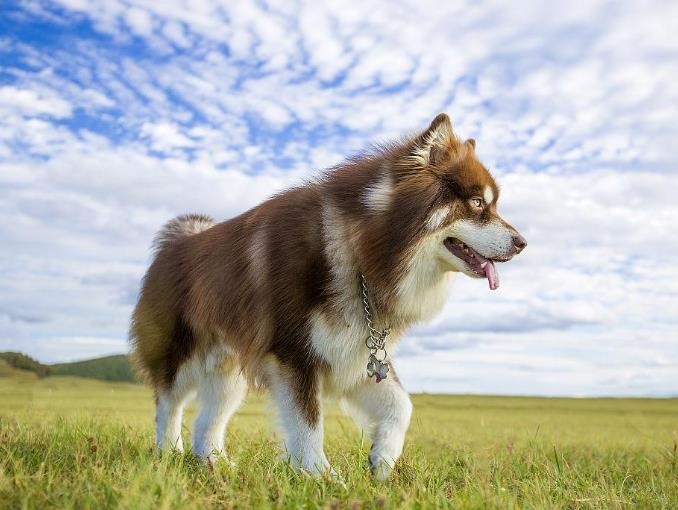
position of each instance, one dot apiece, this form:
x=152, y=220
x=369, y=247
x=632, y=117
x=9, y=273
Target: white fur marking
x=377, y=196
x=438, y=217
x=196, y=225
x=181, y=227
x=488, y=195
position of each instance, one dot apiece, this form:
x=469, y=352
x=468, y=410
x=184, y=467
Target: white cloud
x=139, y=21
x=164, y=136
x=175, y=32
x=32, y=102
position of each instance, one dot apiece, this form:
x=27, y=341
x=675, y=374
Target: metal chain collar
x=377, y=363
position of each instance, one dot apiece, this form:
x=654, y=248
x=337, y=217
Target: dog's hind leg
x=384, y=409
x=297, y=396
x=168, y=418
x=221, y=390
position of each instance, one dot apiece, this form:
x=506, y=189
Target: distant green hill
x=108, y=368
x=23, y=362
x=7, y=370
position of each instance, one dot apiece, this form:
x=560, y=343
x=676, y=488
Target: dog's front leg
x=384, y=409
x=297, y=396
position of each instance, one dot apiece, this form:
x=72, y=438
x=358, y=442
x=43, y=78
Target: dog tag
x=372, y=365
x=382, y=371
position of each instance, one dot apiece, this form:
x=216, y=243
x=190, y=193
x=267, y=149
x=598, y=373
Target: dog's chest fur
x=339, y=339
x=340, y=344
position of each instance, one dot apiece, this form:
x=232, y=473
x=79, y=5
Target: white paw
x=170, y=447
x=316, y=467
x=380, y=466
x=216, y=458
x=337, y=478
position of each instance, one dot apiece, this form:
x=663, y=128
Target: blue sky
x=118, y=115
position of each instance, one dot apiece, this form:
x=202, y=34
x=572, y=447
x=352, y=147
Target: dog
x=308, y=293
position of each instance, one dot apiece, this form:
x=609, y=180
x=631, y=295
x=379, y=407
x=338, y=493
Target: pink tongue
x=491, y=275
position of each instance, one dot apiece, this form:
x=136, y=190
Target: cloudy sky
x=116, y=115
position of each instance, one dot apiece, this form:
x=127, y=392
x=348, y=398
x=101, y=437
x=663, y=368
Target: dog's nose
x=519, y=242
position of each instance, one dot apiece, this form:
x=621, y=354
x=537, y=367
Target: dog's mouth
x=481, y=266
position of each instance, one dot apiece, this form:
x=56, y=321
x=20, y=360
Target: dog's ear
x=438, y=144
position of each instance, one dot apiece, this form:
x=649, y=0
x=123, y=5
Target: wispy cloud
x=116, y=115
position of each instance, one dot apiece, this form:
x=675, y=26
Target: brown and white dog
x=273, y=297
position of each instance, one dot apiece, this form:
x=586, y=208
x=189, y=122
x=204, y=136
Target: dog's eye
x=477, y=202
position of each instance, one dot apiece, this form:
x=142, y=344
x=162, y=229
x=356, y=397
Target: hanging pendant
x=382, y=371
x=376, y=368
x=372, y=364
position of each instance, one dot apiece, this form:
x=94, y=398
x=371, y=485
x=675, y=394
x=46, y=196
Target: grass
x=77, y=443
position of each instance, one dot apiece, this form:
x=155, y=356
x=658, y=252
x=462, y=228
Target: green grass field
x=77, y=443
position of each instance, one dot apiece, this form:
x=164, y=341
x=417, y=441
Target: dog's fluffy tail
x=153, y=319
x=182, y=226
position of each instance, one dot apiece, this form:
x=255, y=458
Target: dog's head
x=463, y=230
